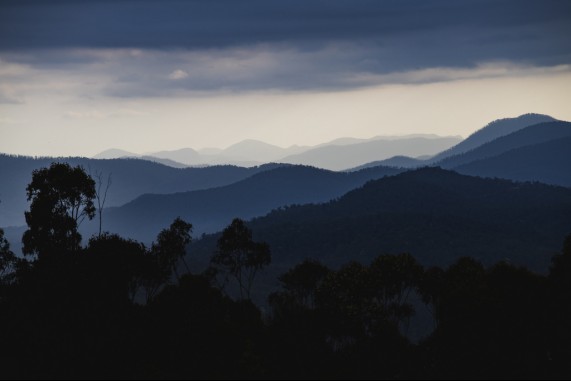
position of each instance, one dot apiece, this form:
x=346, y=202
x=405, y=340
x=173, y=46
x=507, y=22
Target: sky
x=79, y=77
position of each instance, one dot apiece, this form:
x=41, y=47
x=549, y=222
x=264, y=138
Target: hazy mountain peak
x=249, y=143
x=187, y=156
x=210, y=151
x=494, y=130
x=344, y=156
x=180, y=150
x=114, y=153
x=252, y=149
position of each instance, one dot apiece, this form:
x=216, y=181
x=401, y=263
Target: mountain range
x=435, y=214
x=130, y=178
x=338, y=154
x=212, y=209
x=488, y=133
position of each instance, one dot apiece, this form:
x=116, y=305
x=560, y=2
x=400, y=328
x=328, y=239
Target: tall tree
x=302, y=281
x=240, y=257
x=101, y=195
x=61, y=198
x=164, y=256
x=116, y=267
x=171, y=243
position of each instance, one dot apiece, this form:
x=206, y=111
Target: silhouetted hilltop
x=436, y=215
x=549, y=163
x=538, y=133
x=212, y=209
x=492, y=131
x=395, y=161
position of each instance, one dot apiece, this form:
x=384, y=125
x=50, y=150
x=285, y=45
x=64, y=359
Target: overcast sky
x=78, y=77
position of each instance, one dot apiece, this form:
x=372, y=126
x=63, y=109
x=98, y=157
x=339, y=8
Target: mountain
x=209, y=151
x=210, y=210
x=395, y=161
x=255, y=150
x=534, y=153
x=186, y=156
x=340, y=157
x=492, y=131
x=167, y=162
x=115, y=153
x=538, y=133
x=548, y=162
x=245, y=153
x=130, y=178
x=434, y=214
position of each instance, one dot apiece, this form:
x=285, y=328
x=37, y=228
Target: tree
x=101, y=195
x=116, y=267
x=164, y=255
x=303, y=280
x=8, y=260
x=61, y=198
x=394, y=278
x=171, y=244
x=240, y=256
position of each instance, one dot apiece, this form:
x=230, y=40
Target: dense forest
x=115, y=308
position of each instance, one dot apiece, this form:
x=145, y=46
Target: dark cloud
x=134, y=48
x=451, y=32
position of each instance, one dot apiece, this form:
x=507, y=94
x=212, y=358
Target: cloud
x=409, y=35
x=12, y=121
x=187, y=48
x=95, y=114
x=89, y=114
x=178, y=74
x=267, y=67
x=8, y=95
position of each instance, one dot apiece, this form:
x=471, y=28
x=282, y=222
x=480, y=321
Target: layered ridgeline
x=342, y=156
x=210, y=210
x=539, y=152
x=488, y=133
x=130, y=178
x=435, y=214
x=338, y=154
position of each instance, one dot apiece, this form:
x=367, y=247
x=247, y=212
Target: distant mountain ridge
x=212, y=209
x=548, y=162
x=130, y=179
x=341, y=157
x=253, y=152
x=492, y=131
x=531, y=135
x=434, y=214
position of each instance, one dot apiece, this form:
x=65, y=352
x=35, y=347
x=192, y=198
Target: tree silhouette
x=164, y=255
x=8, y=260
x=61, y=198
x=171, y=244
x=394, y=278
x=240, y=256
x=101, y=195
x=115, y=266
x=302, y=281
x=560, y=310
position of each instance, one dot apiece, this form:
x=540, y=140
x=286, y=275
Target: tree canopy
x=61, y=198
